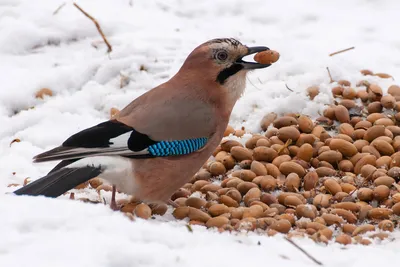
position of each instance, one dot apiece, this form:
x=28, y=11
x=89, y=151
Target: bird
x=155, y=145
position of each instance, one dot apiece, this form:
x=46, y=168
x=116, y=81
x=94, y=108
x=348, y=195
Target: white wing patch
x=119, y=147
x=121, y=140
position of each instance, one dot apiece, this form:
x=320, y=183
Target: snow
x=42, y=232
x=39, y=49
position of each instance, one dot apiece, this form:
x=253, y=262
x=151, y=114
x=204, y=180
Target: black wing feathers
x=97, y=136
x=100, y=136
x=138, y=141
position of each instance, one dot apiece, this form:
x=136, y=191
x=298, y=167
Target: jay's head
x=221, y=60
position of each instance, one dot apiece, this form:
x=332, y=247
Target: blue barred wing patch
x=176, y=148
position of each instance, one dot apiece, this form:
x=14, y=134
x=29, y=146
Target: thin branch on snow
x=330, y=76
x=287, y=87
x=302, y=250
x=341, y=51
x=97, y=26
x=59, y=8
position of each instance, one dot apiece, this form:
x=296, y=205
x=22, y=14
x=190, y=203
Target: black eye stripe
x=228, y=72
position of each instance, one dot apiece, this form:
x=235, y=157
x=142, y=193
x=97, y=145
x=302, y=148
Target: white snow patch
x=39, y=49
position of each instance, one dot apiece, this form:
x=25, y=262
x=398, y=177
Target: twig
x=341, y=51
x=59, y=8
x=330, y=76
x=302, y=250
x=97, y=26
x=287, y=87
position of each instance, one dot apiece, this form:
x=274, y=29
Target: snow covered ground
x=58, y=51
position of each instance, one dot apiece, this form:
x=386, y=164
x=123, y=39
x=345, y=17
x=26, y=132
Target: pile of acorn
x=335, y=178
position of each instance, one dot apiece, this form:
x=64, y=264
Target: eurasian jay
x=157, y=143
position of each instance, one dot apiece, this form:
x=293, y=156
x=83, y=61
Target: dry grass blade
x=59, y=8
x=341, y=51
x=16, y=140
x=305, y=252
x=97, y=26
x=288, y=142
x=330, y=76
x=189, y=227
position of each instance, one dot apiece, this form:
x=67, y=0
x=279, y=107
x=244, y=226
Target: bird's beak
x=253, y=65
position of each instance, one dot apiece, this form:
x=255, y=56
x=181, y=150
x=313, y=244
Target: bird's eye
x=222, y=55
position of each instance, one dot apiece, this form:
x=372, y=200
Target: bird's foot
x=113, y=204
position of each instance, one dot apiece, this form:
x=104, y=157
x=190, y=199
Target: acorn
x=266, y=57
x=143, y=211
x=43, y=92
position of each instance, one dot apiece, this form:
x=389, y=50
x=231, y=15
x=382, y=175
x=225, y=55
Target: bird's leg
x=172, y=203
x=113, y=204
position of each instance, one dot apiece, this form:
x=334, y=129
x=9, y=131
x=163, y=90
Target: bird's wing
x=113, y=138
x=107, y=138
x=154, y=125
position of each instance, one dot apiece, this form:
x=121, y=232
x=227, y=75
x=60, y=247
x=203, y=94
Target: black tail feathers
x=59, y=181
